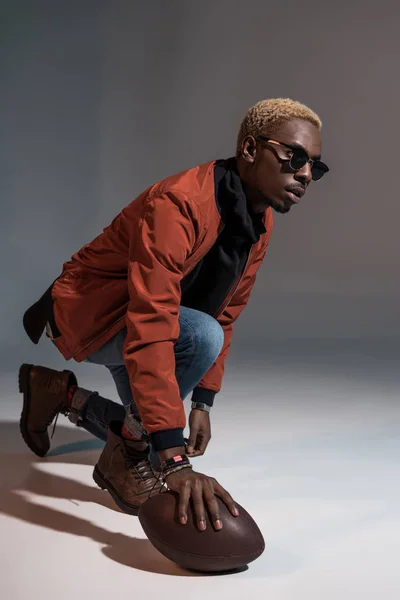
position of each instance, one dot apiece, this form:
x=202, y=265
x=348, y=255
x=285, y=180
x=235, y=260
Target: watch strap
x=201, y=406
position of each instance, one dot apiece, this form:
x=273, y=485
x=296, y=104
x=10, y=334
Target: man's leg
x=124, y=467
x=127, y=468
x=48, y=392
x=200, y=342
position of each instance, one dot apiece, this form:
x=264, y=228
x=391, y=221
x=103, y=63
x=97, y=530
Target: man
x=154, y=299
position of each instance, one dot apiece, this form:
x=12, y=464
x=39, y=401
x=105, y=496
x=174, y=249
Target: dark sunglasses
x=299, y=158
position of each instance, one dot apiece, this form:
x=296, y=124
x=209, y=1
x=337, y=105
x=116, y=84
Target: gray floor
x=305, y=437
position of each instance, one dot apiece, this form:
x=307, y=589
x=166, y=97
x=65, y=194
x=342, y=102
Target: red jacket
x=130, y=276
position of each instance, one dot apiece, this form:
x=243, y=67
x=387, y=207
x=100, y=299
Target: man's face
x=268, y=175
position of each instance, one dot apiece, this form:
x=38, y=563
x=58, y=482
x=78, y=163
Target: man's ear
x=249, y=149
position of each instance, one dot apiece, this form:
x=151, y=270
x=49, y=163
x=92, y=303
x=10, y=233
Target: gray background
x=101, y=99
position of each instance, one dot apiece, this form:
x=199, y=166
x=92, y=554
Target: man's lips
x=295, y=192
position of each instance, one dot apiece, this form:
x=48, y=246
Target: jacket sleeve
x=211, y=383
x=157, y=254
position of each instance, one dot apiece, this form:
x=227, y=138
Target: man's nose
x=304, y=175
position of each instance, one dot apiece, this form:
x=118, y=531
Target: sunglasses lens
x=318, y=170
x=298, y=160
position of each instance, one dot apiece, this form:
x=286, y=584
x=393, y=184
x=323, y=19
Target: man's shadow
x=21, y=477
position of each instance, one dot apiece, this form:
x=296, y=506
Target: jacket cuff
x=168, y=438
x=203, y=395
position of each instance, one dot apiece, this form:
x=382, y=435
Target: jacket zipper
x=235, y=287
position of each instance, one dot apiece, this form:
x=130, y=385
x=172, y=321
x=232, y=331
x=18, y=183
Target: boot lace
x=55, y=414
x=143, y=471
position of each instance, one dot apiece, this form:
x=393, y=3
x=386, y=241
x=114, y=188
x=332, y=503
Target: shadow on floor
x=19, y=474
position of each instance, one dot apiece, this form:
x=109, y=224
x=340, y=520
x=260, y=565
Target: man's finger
x=192, y=440
x=184, y=496
x=213, y=506
x=199, y=509
x=203, y=444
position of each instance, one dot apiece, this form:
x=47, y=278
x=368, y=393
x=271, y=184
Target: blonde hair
x=266, y=116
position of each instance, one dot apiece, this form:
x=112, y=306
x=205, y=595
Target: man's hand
x=189, y=484
x=200, y=432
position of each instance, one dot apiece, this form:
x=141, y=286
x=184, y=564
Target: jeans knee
x=209, y=338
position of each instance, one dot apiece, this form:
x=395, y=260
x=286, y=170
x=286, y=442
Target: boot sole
x=130, y=509
x=23, y=385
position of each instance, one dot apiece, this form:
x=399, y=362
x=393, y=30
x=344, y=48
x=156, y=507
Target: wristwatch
x=201, y=406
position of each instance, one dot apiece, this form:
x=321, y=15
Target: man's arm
x=158, y=250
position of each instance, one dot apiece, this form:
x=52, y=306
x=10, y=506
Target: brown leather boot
x=125, y=471
x=45, y=395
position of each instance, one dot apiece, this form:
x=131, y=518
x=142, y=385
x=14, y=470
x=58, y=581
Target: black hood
x=232, y=203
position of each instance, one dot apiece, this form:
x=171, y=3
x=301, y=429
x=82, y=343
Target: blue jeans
x=200, y=342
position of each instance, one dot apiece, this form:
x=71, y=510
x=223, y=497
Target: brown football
x=237, y=544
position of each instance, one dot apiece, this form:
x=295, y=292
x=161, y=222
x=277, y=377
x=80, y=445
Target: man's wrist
x=171, y=452
x=201, y=406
